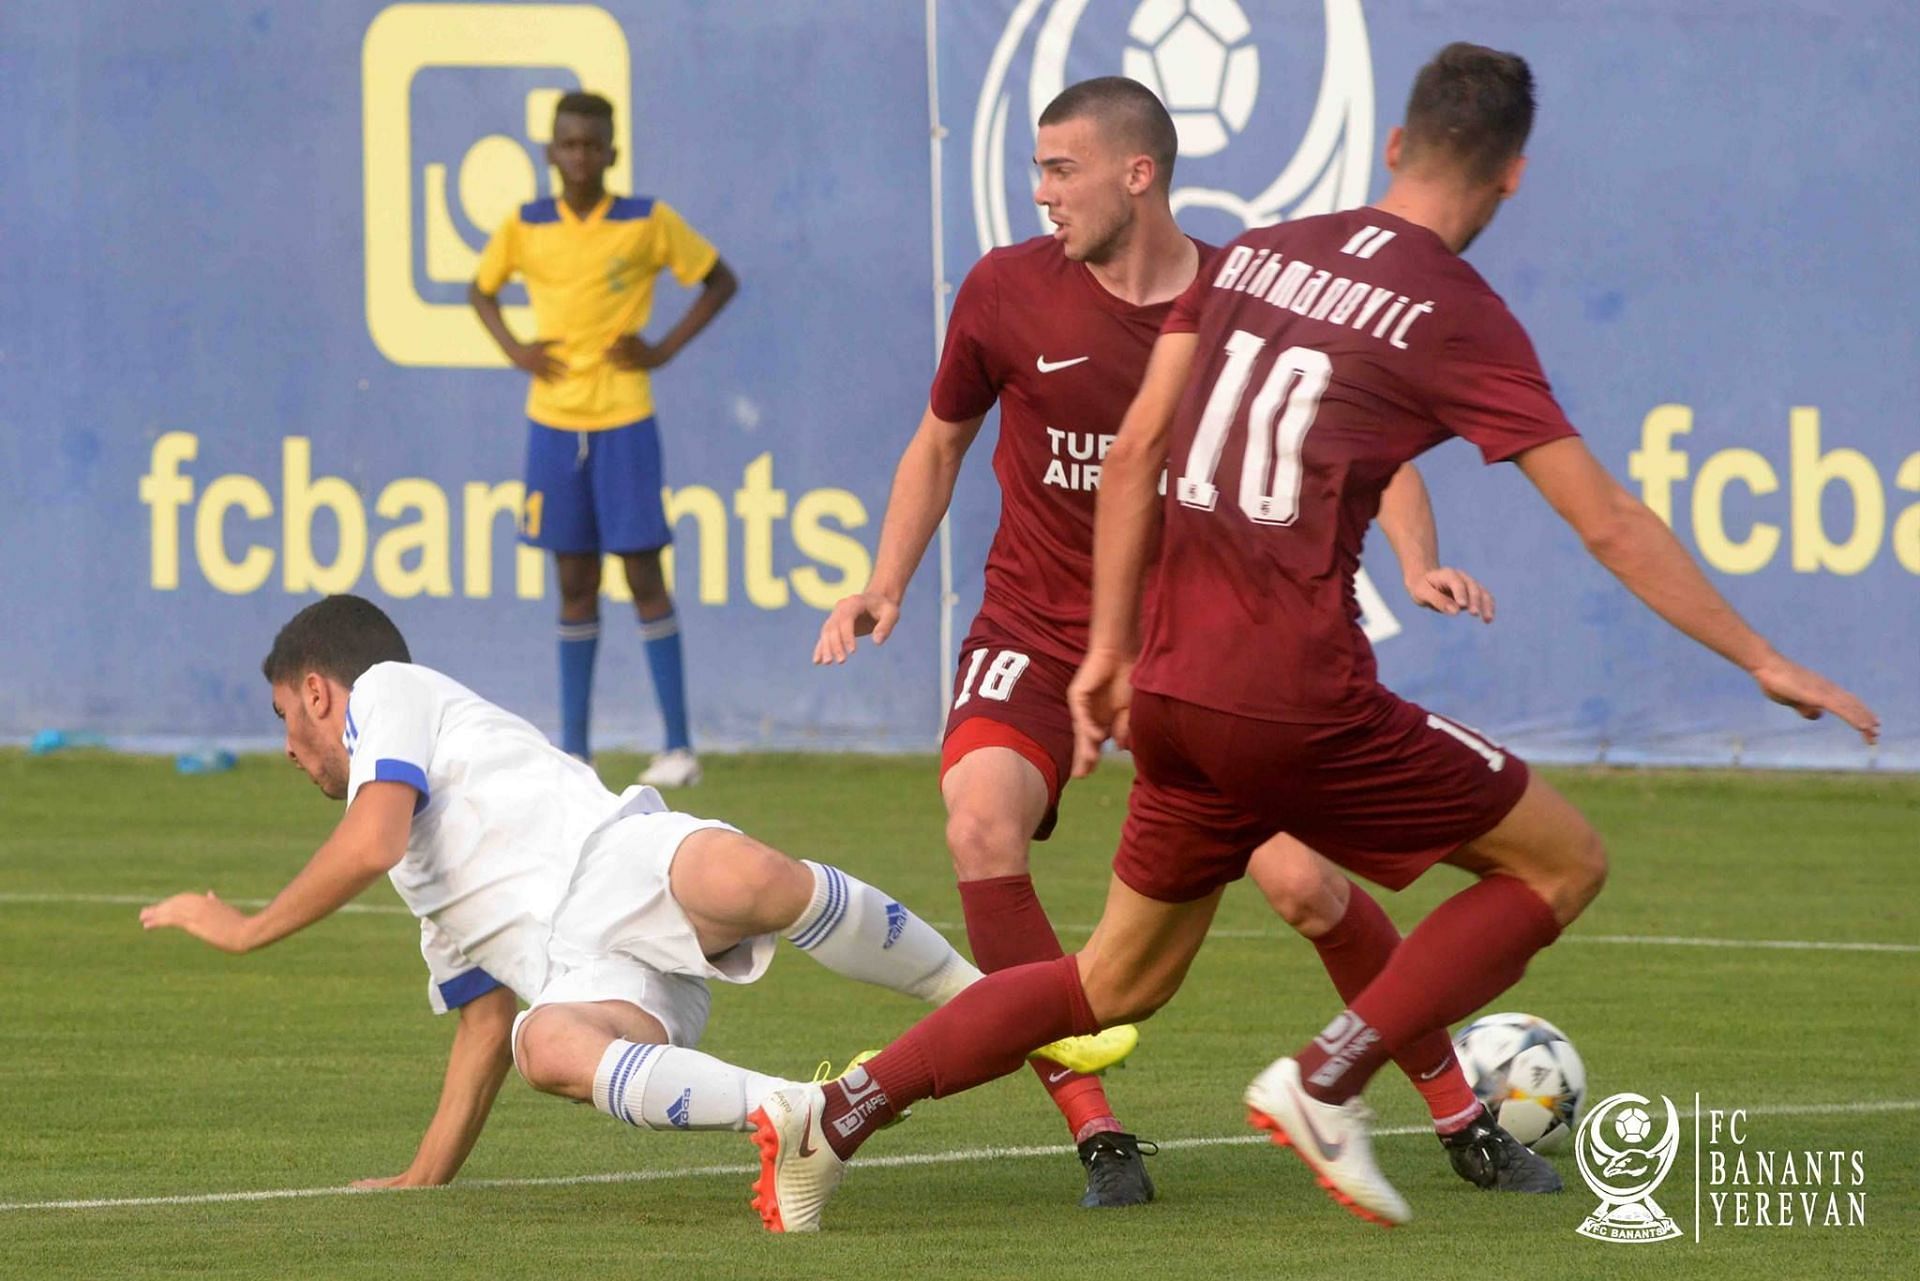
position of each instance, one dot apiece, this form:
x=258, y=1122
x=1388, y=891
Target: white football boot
x=677, y=768
x=1335, y=1140
x=798, y=1170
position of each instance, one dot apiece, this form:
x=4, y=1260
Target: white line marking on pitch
x=953, y=1157
x=1634, y=940
x=1630, y=940
x=141, y=900
x=1790, y=945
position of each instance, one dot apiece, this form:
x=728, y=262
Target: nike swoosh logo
x=1056, y=1077
x=806, y=1133
x=1328, y=1151
x=1046, y=366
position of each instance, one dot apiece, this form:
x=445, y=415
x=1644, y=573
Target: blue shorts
x=594, y=491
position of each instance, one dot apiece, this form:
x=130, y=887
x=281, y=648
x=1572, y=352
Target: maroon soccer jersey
x=1330, y=351
x=1064, y=358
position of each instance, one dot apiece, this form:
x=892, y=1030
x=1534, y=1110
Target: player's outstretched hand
x=538, y=361
x=1100, y=695
x=1451, y=591
x=202, y=915
x=862, y=614
x=401, y=1180
x=631, y=351
x=1811, y=694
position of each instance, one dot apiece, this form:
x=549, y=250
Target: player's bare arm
x=481, y=1057
x=369, y=840
x=533, y=357
x=1406, y=518
x=922, y=490
x=1624, y=535
x=1125, y=518
x=631, y=351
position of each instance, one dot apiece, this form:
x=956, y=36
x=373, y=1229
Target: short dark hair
x=581, y=103
x=339, y=637
x=1125, y=110
x=1473, y=103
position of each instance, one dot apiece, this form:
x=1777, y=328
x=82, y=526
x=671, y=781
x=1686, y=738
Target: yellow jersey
x=590, y=280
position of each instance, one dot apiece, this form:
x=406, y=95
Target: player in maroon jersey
x=1058, y=330
x=1323, y=354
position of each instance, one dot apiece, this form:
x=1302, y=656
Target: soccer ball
x=1196, y=57
x=1633, y=1125
x=1529, y=1075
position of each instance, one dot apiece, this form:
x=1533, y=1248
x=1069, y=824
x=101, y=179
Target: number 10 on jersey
x=1270, y=474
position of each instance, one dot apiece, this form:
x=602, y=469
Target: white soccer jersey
x=498, y=825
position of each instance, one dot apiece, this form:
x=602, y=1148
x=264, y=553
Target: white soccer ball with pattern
x=1527, y=1073
x=1198, y=57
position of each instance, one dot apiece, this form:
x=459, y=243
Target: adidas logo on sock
x=896, y=925
x=681, y=1109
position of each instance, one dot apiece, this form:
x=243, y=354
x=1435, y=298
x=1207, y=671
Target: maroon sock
x=1354, y=952
x=1471, y=948
x=1006, y=926
x=983, y=1033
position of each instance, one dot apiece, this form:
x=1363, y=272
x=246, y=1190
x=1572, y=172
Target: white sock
x=663, y=1087
x=855, y=930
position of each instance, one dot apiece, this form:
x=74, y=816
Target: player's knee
x=579, y=603
x=647, y=582
x=1132, y=1003
x=1306, y=894
x=650, y=590
x=537, y=1054
x=1124, y=997
x=1589, y=871
x=1573, y=878
x=773, y=888
x=729, y=880
x=985, y=844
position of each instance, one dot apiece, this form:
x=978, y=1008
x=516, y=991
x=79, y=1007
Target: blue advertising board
x=237, y=368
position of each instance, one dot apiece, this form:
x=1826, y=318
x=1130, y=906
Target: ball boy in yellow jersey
x=593, y=475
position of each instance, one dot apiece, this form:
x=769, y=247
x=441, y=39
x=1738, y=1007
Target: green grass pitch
x=136, y=1066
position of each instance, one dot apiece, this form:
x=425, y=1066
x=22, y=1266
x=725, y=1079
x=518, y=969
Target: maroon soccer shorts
x=1385, y=795
x=1008, y=696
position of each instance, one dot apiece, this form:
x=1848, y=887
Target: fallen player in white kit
x=532, y=881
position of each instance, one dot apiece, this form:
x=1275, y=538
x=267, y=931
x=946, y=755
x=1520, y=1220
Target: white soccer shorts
x=618, y=934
